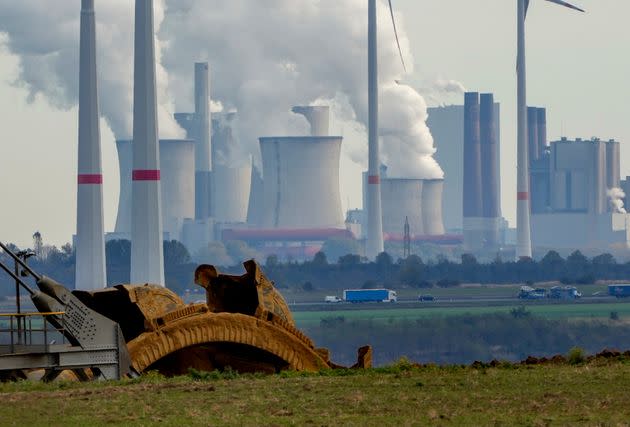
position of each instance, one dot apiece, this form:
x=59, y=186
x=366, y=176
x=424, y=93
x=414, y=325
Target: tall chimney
x=472, y=157
x=532, y=134
x=542, y=131
x=489, y=169
x=374, y=245
x=90, y=243
x=203, y=155
x=147, y=256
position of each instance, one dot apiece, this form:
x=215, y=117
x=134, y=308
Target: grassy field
x=590, y=394
x=550, y=311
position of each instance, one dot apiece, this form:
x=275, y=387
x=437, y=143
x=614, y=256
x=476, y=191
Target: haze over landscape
x=574, y=67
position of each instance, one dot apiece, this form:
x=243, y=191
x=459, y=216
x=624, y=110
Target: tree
x=320, y=259
x=350, y=260
x=384, y=260
x=215, y=253
x=272, y=261
x=411, y=271
x=604, y=260
x=552, y=259
x=469, y=260
x=239, y=251
x=335, y=248
x=175, y=253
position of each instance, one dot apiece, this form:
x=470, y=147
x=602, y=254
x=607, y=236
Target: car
x=426, y=298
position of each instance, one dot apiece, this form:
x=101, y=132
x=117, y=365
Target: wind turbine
x=374, y=243
x=524, y=238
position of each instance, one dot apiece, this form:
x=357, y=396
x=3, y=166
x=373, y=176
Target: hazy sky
x=577, y=68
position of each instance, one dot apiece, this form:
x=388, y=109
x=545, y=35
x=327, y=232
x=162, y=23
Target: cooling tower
x=223, y=141
x=90, y=241
x=613, y=159
x=301, y=182
x=203, y=159
x=256, y=199
x=472, y=157
x=402, y=198
x=318, y=117
x=374, y=243
x=147, y=257
x=178, y=202
x=187, y=122
x=177, y=189
x=432, y=193
x=542, y=131
x=231, y=190
x=532, y=134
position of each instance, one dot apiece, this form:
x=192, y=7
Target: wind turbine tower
x=524, y=239
x=90, y=243
x=147, y=253
x=374, y=244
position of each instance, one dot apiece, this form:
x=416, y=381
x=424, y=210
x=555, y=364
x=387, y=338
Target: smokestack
x=613, y=159
x=90, y=243
x=542, y=131
x=472, y=157
x=147, y=257
x=374, y=244
x=532, y=134
x=203, y=155
x=489, y=170
x=318, y=117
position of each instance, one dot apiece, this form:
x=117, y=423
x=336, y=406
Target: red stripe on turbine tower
x=374, y=179
x=523, y=195
x=146, y=175
x=95, y=179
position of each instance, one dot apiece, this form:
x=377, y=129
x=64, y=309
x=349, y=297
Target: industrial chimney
x=374, y=244
x=532, y=134
x=542, y=131
x=147, y=257
x=203, y=155
x=90, y=242
x=489, y=170
x=473, y=207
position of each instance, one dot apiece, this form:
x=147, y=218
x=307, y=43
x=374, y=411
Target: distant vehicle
x=564, y=292
x=527, y=292
x=369, y=295
x=426, y=298
x=619, y=291
x=332, y=298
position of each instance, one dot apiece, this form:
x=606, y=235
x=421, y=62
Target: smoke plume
x=265, y=57
x=616, y=197
x=45, y=37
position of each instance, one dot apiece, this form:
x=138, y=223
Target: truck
x=369, y=295
x=564, y=292
x=619, y=291
x=527, y=292
x=332, y=299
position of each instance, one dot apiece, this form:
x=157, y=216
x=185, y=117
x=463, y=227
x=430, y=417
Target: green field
x=589, y=394
x=550, y=311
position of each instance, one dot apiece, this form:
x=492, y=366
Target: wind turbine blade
x=526, y=7
x=402, y=59
x=565, y=4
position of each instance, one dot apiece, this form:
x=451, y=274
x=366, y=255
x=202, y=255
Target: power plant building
x=579, y=208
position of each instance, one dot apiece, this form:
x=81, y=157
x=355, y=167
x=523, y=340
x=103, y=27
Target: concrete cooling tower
x=318, y=117
x=402, y=199
x=432, y=193
x=301, y=182
x=256, y=199
x=231, y=193
x=177, y=186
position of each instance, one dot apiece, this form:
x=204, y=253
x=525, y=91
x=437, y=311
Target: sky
x=577, y=68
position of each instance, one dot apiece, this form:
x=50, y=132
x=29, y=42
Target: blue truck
x=369, y=295
x=619, y=291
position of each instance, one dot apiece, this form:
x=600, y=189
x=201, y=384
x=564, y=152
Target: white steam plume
x=616, y=197
x=45, y=37
x=266, y=57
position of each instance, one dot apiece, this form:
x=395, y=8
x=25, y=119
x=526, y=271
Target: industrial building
x=468, y=139
x=576, y=194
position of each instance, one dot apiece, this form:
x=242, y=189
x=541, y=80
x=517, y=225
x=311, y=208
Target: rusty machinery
x=245, y=324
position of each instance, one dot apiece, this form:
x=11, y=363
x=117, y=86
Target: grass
x=592, y=393
x=550, y=311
